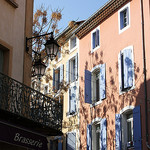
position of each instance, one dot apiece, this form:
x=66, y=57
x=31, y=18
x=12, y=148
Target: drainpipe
x=144, y=70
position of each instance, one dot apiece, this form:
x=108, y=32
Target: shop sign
x=17, y=136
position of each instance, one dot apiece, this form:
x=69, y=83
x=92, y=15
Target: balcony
x=25, y=107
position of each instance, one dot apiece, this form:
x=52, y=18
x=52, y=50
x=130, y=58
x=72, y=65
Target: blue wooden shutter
x=61, y=73
x=128, y=68
x=102, y=83
x=93, y=40
x=1, y=60
x=53, y=79
x=87, y=83
x=71, y=141
x=118, y=131
x=103, y=134
x=128, y=16
x=76, y=66
x=72, y=93
x=137, y=128
x=89, y=137
x=59, y=144
x=97, y=37
x=121, y=21
x=67, y=71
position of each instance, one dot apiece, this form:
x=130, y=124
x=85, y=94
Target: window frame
x=68, y=110
x=72, y=69
x=58, y=76
x=127, y=6
x=75, y=47
x=121, y=91
x=60, y=58
x=94, y=136
x=124, y=136
x=95, y=72
x=73, y=58
x=97, y=47
x=58, y=67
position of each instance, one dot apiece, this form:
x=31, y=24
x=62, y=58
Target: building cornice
x=99, y=16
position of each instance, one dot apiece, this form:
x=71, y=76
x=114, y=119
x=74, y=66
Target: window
x=97, y=135
x=73, y=42
x=59, y=55
x=57, y=78
x=95, y=39
x=124, y=18
x=72, y=69
x=126, y=69
x=71, y=141
x=72, y=100
x=95, y=84
x=128, y=129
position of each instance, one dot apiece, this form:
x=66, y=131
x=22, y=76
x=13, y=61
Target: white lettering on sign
x=28, y=141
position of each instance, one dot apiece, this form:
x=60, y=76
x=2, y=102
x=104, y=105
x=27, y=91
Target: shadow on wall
x=113, y=102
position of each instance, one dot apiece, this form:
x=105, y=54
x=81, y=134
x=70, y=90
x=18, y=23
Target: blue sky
x=76, y=10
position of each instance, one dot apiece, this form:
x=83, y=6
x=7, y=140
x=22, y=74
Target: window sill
x=73, y=49
x=93, y=50
x=123, y=29
x=96, y=103
x=55, y=62
x=127, y=90
x=68, y=114
x=12, y=3
x=57, y=93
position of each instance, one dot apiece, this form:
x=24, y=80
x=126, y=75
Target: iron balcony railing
x=24, y=101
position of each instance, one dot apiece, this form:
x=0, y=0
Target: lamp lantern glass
x=39, y=68
x=51, y=47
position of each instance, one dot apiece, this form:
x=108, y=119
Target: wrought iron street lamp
x=51, y=48
x=39, y=67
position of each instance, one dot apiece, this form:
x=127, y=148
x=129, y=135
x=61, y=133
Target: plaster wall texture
x=111, y=43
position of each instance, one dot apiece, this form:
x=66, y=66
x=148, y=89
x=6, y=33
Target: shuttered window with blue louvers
x=126, y=69
x=118, y=131
x=87, y=85
x=103, y=134
x=72, y=69
x=61, y=73
x=91, y=81
x=119, y=126
x=137, y=128
x=102, y=83
x=72, y=100
x=89, y=137
x=71, y=141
